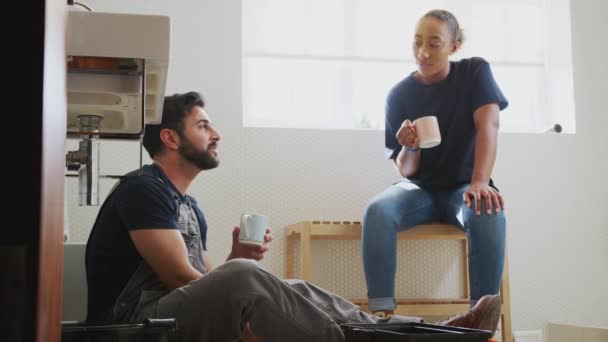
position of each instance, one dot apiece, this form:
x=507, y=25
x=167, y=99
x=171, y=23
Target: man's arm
x=165, y=251
x=207, y=261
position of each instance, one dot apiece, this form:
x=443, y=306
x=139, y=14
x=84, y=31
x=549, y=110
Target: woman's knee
x=397, y=206
x=376, y=209
x=385, y=205
x=483, y=218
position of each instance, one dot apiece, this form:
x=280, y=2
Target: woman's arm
x=486, y=120
x=486, y=124
x=408, y=160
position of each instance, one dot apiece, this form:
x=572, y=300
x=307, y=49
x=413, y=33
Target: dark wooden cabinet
x=33, y=123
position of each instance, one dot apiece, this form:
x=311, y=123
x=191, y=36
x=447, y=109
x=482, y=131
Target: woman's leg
x=486, y=238
x=402, y=206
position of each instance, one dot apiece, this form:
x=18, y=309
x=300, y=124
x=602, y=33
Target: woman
x=450, y=182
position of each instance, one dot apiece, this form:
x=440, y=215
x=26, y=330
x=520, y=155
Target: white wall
x=555, y=185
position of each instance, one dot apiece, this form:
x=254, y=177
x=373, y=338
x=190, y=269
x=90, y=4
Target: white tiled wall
x=555, y=185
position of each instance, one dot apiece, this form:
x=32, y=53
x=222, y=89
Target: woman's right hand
x=407, y=135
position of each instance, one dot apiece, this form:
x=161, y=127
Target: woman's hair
x=450, y=19
x=175, y=109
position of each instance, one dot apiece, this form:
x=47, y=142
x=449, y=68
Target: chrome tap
x=85, y=160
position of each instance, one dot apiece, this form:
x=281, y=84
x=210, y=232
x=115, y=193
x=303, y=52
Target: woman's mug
x=427, y=129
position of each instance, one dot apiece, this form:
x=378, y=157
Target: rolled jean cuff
x=377, y=304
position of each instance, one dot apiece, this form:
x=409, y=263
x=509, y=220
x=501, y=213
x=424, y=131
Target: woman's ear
x=455, y=48
x=170, y=138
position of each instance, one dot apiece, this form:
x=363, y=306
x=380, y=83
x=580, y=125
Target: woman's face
x=433, y=44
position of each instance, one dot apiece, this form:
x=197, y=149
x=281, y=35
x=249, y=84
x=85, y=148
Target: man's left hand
x=246, y=251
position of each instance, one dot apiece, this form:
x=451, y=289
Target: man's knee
x=240, y=266
x=228, y=277
x=295, y=283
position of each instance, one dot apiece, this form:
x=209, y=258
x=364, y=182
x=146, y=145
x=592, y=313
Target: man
x=146, y=255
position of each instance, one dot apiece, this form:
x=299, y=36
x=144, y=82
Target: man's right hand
x=407, y=135
x=248, y=252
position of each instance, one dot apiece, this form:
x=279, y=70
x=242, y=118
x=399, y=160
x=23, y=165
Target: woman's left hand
x=483, y=192
x=247, y=251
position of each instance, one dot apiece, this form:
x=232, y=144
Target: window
x=330, y=63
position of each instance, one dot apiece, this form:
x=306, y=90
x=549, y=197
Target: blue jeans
x=405, y=205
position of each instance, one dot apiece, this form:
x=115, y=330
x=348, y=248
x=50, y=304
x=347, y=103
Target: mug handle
x=244, y=219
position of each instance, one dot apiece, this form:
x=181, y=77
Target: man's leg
x=218, y=306
x=339, y=309
x=402, y=206
x=239, y=300
x=486, y=237
x=484, y=315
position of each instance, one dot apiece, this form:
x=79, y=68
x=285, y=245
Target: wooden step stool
x=306, y=231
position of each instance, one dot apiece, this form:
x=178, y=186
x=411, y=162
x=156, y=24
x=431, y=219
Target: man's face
x=199, y=140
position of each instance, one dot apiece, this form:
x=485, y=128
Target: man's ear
x=170, y=138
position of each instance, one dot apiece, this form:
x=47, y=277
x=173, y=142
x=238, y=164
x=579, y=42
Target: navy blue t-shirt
x=138, y=202
x=469, y=85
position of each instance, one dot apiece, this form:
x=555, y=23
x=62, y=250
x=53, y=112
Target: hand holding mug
x=250, y=240
x=407, y=135
x=422, y=133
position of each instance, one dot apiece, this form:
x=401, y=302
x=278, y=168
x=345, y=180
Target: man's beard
x=204, y=160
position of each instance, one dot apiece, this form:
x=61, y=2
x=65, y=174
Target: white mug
x=427, y=129
x=253, y=229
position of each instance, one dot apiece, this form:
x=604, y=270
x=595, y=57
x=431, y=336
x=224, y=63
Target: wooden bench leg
x=505, y=295
x=289, y=257
x=465, y=258
x=305, y=252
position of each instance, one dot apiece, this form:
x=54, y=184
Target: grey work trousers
x=217, y=306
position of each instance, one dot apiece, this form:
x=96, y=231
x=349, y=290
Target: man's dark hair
x=175, y=109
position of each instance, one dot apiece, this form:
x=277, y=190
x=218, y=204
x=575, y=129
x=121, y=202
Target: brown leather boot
x=484, y=315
